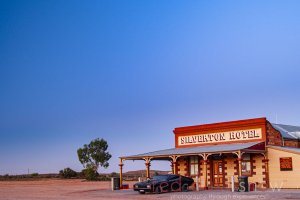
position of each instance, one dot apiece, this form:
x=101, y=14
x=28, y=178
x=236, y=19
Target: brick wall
x=273, y=136
x=258, y=173
x=182, y=166
x=229, y=169
x=291, y=143
x=209, y=181
x=258, y=170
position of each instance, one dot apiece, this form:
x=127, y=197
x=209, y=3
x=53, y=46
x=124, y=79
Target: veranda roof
x=213, y=149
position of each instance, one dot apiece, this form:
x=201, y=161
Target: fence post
x=232, y=183
x=197, y=183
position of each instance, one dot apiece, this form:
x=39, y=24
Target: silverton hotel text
x=220, y=137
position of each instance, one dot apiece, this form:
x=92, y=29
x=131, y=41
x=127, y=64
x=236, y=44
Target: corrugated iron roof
x=288, y=131
x=197, y=150
x=289, y=149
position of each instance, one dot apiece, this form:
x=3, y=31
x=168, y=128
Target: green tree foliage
x=114, y=174
x=67, y=173
x=90, y=174
x=94, y=155
x=34, y=174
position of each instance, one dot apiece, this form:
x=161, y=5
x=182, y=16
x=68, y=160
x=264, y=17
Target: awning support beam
x=147, y=163
x=174, y=163
x=240, y=160
x=121, y=171
x=205, y=162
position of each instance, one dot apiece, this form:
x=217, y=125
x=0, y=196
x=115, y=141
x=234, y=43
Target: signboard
x=230, y=136
x=286, y=164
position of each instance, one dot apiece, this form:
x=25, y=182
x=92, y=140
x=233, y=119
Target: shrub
x=67, y=173
x=90, y=174
x=103, y=178
x=114, y=174
x=34, y=174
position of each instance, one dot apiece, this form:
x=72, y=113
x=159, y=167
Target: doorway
x=218, y=175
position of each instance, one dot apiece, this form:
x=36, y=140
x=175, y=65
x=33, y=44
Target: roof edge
x=261, y=120
x=284, y=149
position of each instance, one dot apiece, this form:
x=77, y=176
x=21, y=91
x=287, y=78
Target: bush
x=34, y=174
x=103, y=178
x=90, y=174
x=67, y=173
x=114, y=174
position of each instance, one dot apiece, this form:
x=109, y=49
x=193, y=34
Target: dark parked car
x=164, y=183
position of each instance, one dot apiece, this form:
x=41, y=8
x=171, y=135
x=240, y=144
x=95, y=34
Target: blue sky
x=132, y=71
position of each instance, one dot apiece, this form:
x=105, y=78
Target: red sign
x=286, y=164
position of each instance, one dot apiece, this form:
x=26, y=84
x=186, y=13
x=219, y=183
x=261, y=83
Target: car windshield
x=160, y=178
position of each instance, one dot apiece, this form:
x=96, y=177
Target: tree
x=94, y=154
x=90, y=174
x=114, y=174
x=67, y=173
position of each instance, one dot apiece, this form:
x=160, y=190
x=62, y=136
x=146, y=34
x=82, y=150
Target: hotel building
x=268, y=153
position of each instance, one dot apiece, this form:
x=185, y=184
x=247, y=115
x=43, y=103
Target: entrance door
x=218, y=173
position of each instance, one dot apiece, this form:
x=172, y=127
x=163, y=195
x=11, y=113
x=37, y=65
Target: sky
x=131, y=71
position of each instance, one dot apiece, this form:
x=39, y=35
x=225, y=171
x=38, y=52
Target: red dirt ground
x=50, y=189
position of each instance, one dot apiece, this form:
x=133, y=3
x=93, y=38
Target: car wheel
x=142, y=192
x=157, y=190
x=184, y=188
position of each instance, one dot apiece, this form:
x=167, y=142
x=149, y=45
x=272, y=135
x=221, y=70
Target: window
x=194, y=163
x=172, y=177
x=246, y=165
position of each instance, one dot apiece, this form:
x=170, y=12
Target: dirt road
x=82, y=190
